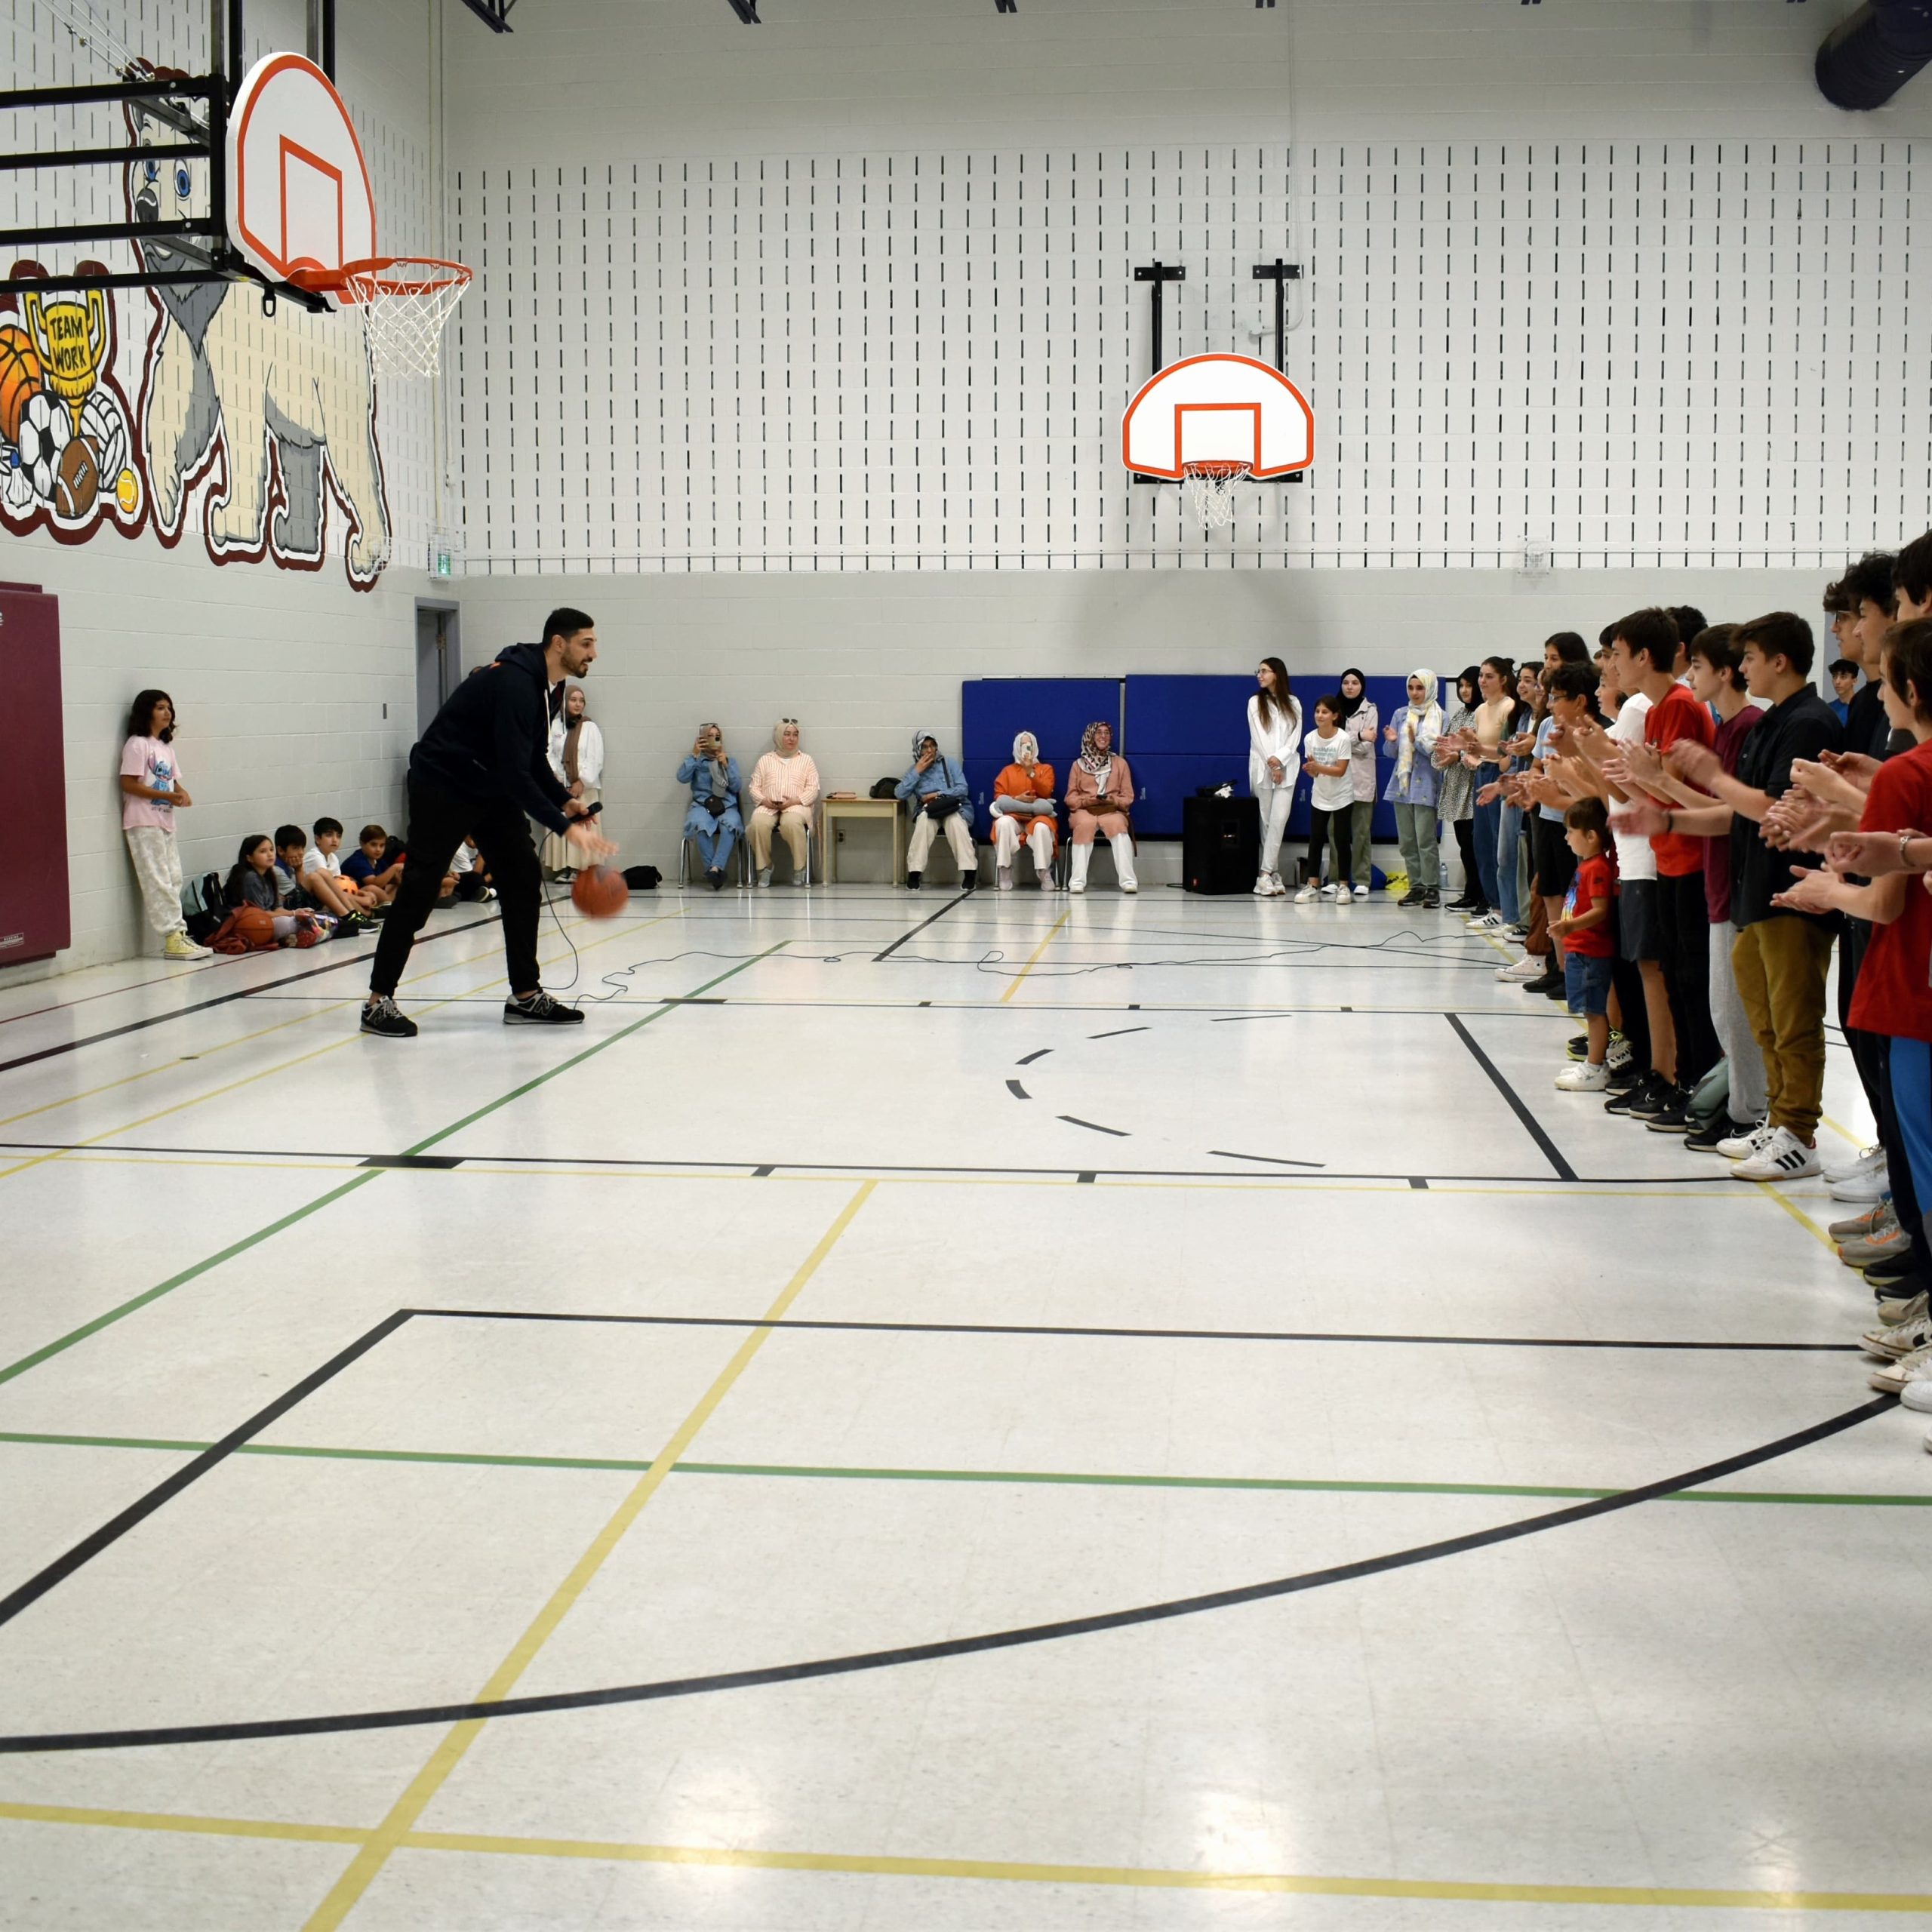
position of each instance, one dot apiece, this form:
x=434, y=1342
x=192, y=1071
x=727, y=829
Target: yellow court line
x=282, y=1066
x=1035, y=961
x=1147, y=1878
x=423, y=1787
x=1798, y=1215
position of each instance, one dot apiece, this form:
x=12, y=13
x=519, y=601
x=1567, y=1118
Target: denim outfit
x=715, y=837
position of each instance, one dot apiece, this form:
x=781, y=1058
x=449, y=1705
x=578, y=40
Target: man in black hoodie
x=482, y=768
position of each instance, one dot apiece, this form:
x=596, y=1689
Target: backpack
x=205, y=904
x=885, y=788
x=642, y=878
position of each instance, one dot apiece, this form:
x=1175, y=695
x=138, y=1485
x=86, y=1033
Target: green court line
x=807, y=1472
x=349, y=1187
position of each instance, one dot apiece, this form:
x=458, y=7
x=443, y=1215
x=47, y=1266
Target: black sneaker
x=1431, y=902
x=355, y=923
x=1675, y=1117
x=1577, y=1047
x=1640, y=1092
x=385, y=1019
x=912, y=880
x=1664, y=1094
x=969, y=881
x=540, y=1009
x=1623, y=1079
x=1413, y=897
x=1720, y=1126
x=715, y=878
x=1545, y=982
x=1886, y=1275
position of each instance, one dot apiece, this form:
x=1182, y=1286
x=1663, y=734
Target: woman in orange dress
x=1023, y=813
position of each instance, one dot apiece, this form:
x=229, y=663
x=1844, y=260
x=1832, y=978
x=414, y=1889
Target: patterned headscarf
x=1025, y=749
x=1097, y=762
x=919, y=743
x=1415, y=721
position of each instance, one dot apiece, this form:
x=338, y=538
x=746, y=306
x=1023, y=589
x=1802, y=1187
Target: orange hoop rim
x=1222, y=472
x=377, y=275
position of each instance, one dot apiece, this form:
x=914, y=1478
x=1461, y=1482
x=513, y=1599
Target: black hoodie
x=491, y=739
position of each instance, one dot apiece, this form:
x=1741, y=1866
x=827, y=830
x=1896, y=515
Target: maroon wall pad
x=34, y=917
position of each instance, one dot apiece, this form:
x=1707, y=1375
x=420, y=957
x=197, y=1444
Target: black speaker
x=1220, y=844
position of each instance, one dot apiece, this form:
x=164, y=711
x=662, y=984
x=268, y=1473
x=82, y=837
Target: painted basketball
x=20, y=376
x=78, y=481
x=598, y=893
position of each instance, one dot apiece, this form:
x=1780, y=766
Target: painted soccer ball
x=45, y=430
x=106, y=427
x=15, y=485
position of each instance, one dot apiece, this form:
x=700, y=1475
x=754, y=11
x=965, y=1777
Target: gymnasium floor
x=1212, y=1302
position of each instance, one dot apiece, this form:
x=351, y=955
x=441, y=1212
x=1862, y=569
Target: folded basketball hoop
x=405, y=301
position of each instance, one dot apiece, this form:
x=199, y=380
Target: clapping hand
x=1855, y=766
x=1865, y=854
x=1695, y=764
x=1810, y=892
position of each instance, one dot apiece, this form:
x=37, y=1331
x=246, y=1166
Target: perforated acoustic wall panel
x=1618, y=353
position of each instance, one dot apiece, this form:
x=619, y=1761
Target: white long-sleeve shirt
x=589, y=751
x=1277, y=738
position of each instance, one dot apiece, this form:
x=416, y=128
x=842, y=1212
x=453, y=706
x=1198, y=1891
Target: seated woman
x=1099, y=796
x=1023, y=813
x=934, y=790
x=712, y=822
x=784, y=790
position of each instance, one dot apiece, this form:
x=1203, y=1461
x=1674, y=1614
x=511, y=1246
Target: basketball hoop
x=1210, y=490
x=405, y=300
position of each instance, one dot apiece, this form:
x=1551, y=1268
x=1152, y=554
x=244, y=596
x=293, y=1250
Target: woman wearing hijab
x=1022, y=813
x=1414, y=788
x=784, y=790
x=1360, y=723
x=1455, y=801
x=713, y=820
x=576, y=757
x=934, y=791
x=1274, y=737
x=1099, y=796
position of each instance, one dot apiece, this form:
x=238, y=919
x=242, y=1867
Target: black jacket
x=491, y=739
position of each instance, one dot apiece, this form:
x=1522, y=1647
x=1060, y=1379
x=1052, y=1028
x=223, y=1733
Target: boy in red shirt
x=1589, y=940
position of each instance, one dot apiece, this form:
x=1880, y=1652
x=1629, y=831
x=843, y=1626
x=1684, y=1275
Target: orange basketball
x=598, y=893
x=21, y=376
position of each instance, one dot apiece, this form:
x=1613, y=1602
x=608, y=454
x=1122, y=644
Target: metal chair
x=740, y=856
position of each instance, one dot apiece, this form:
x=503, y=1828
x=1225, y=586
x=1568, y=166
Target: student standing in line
x=1586, y=931
x=1274, y=736
x=1455, y=802
x=1331, y=800
x=1495, y=680
x=1844, y=682
x=151, y=790
x=1414, y=788
x=1361, y=721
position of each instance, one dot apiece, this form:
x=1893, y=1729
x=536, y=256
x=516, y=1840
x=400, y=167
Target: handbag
x=940, y=809
x=717, y=806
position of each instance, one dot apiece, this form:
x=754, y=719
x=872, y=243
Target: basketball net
x=1210, y=490
x=405, y=303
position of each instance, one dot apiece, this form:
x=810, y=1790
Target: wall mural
x=247, y=422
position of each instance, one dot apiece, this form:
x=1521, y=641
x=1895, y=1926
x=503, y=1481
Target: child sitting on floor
x=1588, y=939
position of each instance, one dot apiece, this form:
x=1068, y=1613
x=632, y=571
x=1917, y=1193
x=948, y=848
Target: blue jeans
x=1487, y=820
x=713, y=837
x=1509, y=860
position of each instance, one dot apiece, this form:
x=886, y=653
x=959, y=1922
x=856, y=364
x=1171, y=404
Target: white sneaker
x=763, y=876
x=1006, y=878
x=180, y=946
x=1328, y=891
x=1896, y=1377
x=1276, y=889
x=1262, y=888
x=1894, y=1314
x=1870, y=1185
x=1582, y=1077
x=1620, y=1054
x=1742, y=1146
x=1490, y=922
x=1907, y=1338
x=1528, y=968
x=1867, y=1160
x=1783, y=1157
x=1361, y=892
x=1917, y=1395
x=1129, y=886
x=1307, y=894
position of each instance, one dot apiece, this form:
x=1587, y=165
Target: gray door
x=439, y=662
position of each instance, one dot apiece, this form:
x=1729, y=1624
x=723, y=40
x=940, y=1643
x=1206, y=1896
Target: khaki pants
x=794, y=828
x=925, y=829
x=158, y=870
x=1780, y=965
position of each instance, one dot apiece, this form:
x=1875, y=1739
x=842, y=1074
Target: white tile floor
x=967, y=1168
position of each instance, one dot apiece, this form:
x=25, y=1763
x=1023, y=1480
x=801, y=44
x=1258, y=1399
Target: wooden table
x=873, y=810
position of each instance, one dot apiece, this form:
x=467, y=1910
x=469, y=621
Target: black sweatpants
x=438, y=819
x=1465, y=844
x=1683, y=924
x=1320, y=825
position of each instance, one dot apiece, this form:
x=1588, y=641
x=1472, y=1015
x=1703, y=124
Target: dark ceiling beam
x=746, y=11
x=495, y=14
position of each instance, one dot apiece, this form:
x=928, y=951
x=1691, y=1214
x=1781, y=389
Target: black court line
x=1117, y=1032
x=1274, y=1160
x=1094, y=1126
x=919, y=929
x=1719, y=1179
x=427, y=1163
x=1027, y=1060
x=1419, y=1184
x=1018, y=1092
x=945, y=1648
x=830, y=1325
x=226, y=999
x=1531, y=1125
x=115, y=1527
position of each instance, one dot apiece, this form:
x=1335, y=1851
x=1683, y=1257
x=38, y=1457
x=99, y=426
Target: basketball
x=19, y=377
x=598, y=893
x=78, y=480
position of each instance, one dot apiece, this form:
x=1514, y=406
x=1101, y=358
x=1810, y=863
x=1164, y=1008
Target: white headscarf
x=1031, y=755
x=778, y=737
x=1418, y=721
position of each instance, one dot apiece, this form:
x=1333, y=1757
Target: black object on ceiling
x=495, y=14
x=1868, y=57
x=747, y=11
